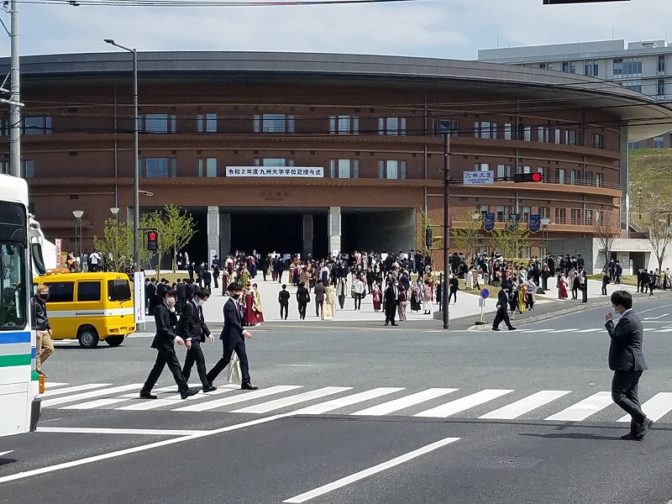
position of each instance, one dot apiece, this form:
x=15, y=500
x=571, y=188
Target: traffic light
x=429, y=237
x=528, y=177
x=152, y=241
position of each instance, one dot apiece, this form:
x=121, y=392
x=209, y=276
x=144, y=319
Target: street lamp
x=136, y=154
x=476, y=216
x=77, y=214
x=545, y=222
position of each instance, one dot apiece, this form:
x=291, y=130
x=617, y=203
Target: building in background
x=644, y=67
x=316, y=153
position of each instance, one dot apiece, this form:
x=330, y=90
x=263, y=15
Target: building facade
x=644, y=67
x=316, y=153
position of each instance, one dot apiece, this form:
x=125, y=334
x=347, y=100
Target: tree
x=509, y=242
x=176, y=228
x=466, y=236
x=659, y=230
x=606, y=232
x=116, y=246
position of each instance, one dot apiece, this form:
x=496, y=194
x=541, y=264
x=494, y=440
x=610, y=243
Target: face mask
x=44, y=296
x=201, y=302
x=236, y=295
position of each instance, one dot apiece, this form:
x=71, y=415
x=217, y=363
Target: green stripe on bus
x=14, y=360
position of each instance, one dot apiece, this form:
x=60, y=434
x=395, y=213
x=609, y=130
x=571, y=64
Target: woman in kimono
x=256, y=305
x=522, y=297
x=415, y=298
x=377, y=297
x=249, y=318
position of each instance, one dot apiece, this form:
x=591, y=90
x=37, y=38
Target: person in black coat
x=150, y=295
x=391, y=302
x=605, y=281
x=502, y=311
x=627, y=362
x=302, y=298
x=283, y=299
x=166, y=319
x=454, y=287
x=181, y=289
x=193, y=329
x=233, y=339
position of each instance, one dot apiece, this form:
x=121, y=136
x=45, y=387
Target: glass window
x=557, y=138
x=507, y=131
x=526, y=213
x=570, y=137
x=589, y=178
x=633, y=86
x=481, y=167
x=61, y=292
x=13, y=279
x=560, y=216
x=206, y=123
x=572, y=177
x=661, y=63
x=37, y=125
x=450, y=126
x=344, y=125
x=561, y=176
x=274, y=123
x=118, y=290
x=158, y=123
x=658, y=142
x=660, y=88
x=159, y=167
x=589, y=217
x=599, y=180
x=392, y=169
x=483, y=129
x=207, y=167
x=273, y=162
x=392, y=126
x=568, y=67
x=542, y=134
x=88, y=291
x=28, y=168
x=500, y=214
x=598, y=141
x=503, y=171
x=590, y=68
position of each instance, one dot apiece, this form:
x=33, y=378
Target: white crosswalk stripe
x=247, y=396
x=583, y=409
x=591, y=330
x=405, y=402
x=292, y=400
x=655, y=408
x=76, y=388
x=662, y=330
x=464, y=403
x=525, y=405
x=426, y=403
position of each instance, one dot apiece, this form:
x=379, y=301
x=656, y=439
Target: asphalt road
x=358, y=415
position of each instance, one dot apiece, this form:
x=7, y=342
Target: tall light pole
x=446, y=231
x=136, y=151
x=77, y=214
x=15, y=94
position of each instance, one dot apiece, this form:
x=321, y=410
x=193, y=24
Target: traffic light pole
x=446, y=235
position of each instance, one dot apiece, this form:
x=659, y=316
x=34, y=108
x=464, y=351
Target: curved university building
x=313, y=153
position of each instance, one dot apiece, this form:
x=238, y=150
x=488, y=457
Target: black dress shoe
x=147, y=395
x=209, y=388
x=395, y=324
x=631, y=437
x=512, y=328
x=642, y=429
x=496, y=329
x=248, y=386
x=190, y=392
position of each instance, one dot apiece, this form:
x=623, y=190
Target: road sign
x=489, y=221
x=139, y=296
x=478, y=177
x=485, y=293
x=535, y=223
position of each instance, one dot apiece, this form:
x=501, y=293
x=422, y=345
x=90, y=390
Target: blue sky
x=435, y=28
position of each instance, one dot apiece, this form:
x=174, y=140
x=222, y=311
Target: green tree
x=509, y=242
x=606, y=229
x=466, y=236
x=176, y=228
x=658, y=228
x=116, y=246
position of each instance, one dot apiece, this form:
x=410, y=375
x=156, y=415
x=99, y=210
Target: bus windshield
x=13, y=314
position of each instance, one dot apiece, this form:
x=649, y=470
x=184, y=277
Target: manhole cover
x=503, y=462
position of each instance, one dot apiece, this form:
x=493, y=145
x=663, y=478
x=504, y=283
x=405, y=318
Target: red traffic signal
x=152, y=240
x=535, y=177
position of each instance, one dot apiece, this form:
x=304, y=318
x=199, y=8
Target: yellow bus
x=90, y=307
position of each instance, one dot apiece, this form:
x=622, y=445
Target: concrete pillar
x=213, y=233
x=308, y=233
x=225, y=233
x=625, y=179
x=334, y=229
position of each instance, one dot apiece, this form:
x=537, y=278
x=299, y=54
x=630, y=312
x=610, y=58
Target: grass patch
x=625, y=279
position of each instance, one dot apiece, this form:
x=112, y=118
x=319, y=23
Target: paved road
x=352, y=415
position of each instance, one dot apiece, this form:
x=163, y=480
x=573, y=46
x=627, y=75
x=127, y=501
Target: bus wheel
x=114, y=340
x=88, y=337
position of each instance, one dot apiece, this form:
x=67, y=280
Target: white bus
x=19, y=384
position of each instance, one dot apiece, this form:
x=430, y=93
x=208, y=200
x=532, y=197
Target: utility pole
x=15, y=95
x=446, y=229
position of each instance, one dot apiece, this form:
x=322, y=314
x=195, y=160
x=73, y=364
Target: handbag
x=234, y=375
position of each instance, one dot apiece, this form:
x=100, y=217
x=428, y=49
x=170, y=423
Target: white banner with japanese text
x=275, y=171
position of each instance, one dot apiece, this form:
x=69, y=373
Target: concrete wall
x=623, y=247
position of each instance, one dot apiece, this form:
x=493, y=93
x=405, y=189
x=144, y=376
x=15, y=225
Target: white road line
x=136, y=449
x=662, y=330
x=591, y=330
x=48, y=385
x=89, y=395
x=242, y=397
x=369, y=472
x=655, y=408
x=532, y=331
x=464, y=403
x=292, y=400
x=583, y=409
x=98, y=403
x=145, y=404
x=558, y=331
x=405, y=402
x=76, y=388
x=6, y=452
x=342, y=402
x=138, y=432
x=525, y=405
x=656, y=318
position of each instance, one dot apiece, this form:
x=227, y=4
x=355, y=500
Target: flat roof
x=644, y=116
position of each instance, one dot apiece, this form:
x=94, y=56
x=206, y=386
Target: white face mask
x=201, y=302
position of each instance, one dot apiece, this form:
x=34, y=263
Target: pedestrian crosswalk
x=432, y=403
x=578, y=330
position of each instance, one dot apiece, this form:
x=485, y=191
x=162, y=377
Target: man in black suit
x=283, y=299
x=627, y=362
x=233, y=339
x=193, y=329
x=166, y=319
x=502, y=311
x=391, y=302
x=302, y=299
x=181, y=289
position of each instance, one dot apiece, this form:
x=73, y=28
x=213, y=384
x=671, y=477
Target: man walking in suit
x=391, y=302
x=627, y=362
x=502, y=311
x=193, y=330
x=320, y=291
x=233, y=339
x=283, y=299
x=166, y=318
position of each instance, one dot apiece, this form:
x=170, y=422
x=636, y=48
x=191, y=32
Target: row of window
x=623, y=68
x=562, y=175
x=543, y=134
x=577, y=216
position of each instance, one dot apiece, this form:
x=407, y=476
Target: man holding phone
x=627, y=362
